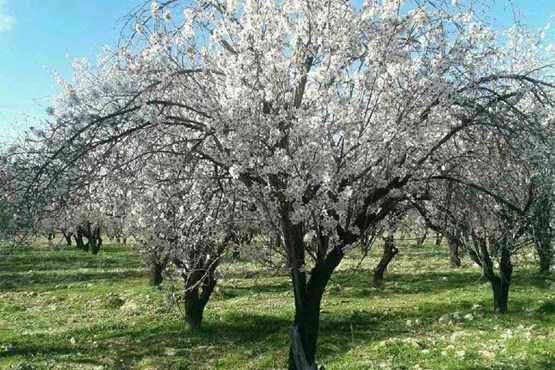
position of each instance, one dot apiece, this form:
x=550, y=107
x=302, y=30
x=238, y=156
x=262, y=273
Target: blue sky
x=39, y=37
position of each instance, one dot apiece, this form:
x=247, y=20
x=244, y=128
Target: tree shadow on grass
x=239, y=332
x=427, y=282
x=47, y=281
x=68, y=258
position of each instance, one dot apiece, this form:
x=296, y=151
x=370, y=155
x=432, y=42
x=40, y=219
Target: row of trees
x=313, y=125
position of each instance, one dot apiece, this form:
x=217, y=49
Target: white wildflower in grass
x=445, y=319
x=170, y=352
x=507, y=335
x=487, y=354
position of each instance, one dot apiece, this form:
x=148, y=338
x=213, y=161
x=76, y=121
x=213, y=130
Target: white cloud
x=6, y=21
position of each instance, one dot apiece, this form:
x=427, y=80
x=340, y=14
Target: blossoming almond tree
x=186, y=225
x=321, y=115
x=491, y=210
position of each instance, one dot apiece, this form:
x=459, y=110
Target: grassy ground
x=69, y=310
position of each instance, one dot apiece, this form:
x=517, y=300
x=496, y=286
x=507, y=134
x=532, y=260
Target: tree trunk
x=193, y=309
x=197, y=295
x=67, y=237
x=79, y=240
x=542, y=229
x=93, y=245
x=157, y=269
x=500, y=284
x=307, y=304
x=496, y=288
x=454, y=253
x=95, y=240
x=545, y=255
x=545, y=264
x=500, y=295
x=439, y=238
x=389, y=252
x=308, y=296
x=302, y=354
x=420, y=241
x=156, y=277
x=505, y=273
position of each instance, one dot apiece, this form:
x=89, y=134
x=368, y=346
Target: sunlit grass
x=67, y=309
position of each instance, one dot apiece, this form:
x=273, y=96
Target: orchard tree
x=487, y=216
x=322, y=116
x=541, y=216
x=188, y=235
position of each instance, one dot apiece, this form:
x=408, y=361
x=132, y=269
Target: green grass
x=67, y=309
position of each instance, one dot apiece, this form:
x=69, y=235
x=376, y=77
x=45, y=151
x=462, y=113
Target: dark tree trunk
x=439, y=238
x=545, y=263
x=156, y=277
x=198, y=289
x=156, y=270
x=302, y=354
x=79, y=239
x=500, y=295
x=505, y=273
x=500, y=284
x=124, y=241
x=389, y=252
x=542, y=229
x=545, y=253
x=194, y=311
x=420, y=241
x=67, y=237
x=95, y=240
x=454, y=252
